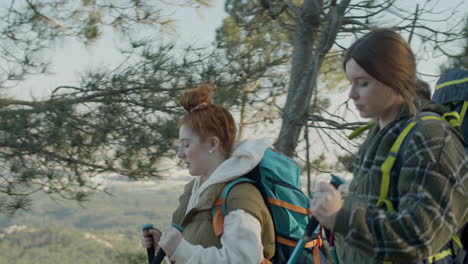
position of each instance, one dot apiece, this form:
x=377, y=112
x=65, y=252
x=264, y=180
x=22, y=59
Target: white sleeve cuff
x=184, y=251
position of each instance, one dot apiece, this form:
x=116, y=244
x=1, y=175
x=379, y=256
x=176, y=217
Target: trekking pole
x=161, y=254
x=311, y=226
x=149, y=251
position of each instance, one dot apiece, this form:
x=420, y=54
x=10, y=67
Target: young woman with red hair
x=207, y=132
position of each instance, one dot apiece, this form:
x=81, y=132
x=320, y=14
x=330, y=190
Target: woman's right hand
x=325, y=205
x=150, y=238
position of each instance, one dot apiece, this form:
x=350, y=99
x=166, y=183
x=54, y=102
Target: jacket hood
x=246, y=155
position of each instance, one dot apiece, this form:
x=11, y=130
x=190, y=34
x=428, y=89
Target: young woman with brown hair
x=430, y=192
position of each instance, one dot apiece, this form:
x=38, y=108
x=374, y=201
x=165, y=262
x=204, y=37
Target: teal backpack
x=277, y=177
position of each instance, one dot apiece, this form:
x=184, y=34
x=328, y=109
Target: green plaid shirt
x=430, y=196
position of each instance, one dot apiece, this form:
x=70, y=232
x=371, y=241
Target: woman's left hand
x=170, y=239
x=326, y=204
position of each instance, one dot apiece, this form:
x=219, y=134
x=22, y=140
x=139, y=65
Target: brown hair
x=207, y=119
x=388, y=58
x=423, y=90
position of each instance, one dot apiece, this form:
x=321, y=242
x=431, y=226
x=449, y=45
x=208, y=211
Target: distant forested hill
x=67, y=245
x=104, y=230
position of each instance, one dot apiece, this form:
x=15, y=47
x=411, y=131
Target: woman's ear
x=214, y=144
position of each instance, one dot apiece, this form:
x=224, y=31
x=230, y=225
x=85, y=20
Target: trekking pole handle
x=161, y=254
x=149, y=251
x=313, y=222
x=159, y=257
x=311, y=226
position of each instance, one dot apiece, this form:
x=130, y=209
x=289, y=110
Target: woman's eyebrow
x=360, y=78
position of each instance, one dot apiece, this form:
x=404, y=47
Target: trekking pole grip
x=161, y=254
x=311, y=226
x=149, y=251
x=159, y=257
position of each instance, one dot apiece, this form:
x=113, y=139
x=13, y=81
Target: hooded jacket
x=430, y=195
x=248, y=232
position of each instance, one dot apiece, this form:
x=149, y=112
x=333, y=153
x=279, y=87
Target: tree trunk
x=302, y=80
x=312, y=40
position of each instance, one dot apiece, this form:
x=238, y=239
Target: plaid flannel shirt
x=430, y=196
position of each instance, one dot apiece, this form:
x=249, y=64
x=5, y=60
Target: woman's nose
x=352, y=93
x=180, y=154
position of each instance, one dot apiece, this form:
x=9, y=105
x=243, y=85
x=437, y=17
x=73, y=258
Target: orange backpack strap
x=218, y=211
x=218, y=217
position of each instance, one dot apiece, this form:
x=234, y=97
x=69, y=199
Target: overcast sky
x=192, y=26
x=70, y=58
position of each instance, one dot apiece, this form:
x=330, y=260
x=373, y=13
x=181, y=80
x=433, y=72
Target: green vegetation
x=51, y=245
x=106, y=229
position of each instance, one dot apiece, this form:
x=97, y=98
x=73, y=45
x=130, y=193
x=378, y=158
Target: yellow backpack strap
x=360, y=130
x=457, y=240
x=463, y=112
x=440, y=255
x=453, y=118
x=448, y=252
x=442, y=85
x=389, y=162
x=386, y=168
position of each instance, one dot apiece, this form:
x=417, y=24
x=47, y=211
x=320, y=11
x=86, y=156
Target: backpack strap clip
x=453, y=118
